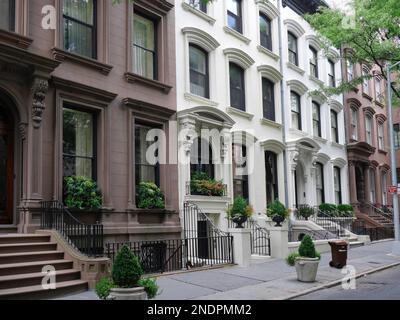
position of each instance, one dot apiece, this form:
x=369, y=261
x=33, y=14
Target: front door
x=6, y=168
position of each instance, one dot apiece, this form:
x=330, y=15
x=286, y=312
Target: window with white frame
x=237, y=87
x=331, y=74
x=295, y=110
x=7, y=14
x=265, y=32
x=199, y=5
x=384, y=188
x=396, y=132
x=337, y=185
x=372, y=189
x=368, y=129
x=378, y=90
x=354, y=123
x=293, y=50
x=234, y=12
x=316, y=109
x=381, y=139
x=268, y=99
x=198, y=66
x=365, y=73
x=313, y=62
x=350, y=70
x=334, y=126
x=320, y=183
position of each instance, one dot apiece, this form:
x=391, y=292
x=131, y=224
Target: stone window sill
x=198, y=13
x=62, y=55
x=338, y=145
x=270, y=123
x=237, y=35
x=15, y=39
x=295, y=68
x=298, y=132
x=241, y=113
x=268, y=52
x=199, y=99
x=320, y=139
x=133, y=78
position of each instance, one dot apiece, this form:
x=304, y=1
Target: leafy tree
x=373, y=34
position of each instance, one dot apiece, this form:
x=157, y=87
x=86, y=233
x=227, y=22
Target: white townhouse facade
x=233, y=77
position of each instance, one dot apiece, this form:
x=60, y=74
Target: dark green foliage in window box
x=202, y=184
x=150, y=196
x=126, y=270
x=81, y=193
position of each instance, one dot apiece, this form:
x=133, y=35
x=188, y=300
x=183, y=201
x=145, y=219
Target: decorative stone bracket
x=39, y=91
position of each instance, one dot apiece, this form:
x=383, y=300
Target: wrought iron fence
x=177, y=254
x=297, y=234
x=259, y=237
x=375, y=233
x=87, y=238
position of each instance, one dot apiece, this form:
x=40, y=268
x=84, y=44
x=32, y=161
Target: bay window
x=293, y=50
x=79, y=23
x=295, y=110
x=337, y=185
x=265, y=32
x=199, y=80
x=7, y=14
x=144, y=46
x=237, y=87
x=316, y=109
x=145, y=171
x=268, y=99
x=334, y=127
x=234, y=12
x=79, y=143
x=320, y=183
x=271, y=176
x=313, y=62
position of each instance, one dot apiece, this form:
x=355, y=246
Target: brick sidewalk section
x=265, y=279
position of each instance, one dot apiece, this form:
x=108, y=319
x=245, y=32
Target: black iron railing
x=259, y=236
x=87, y=238
x=177, y=254
x=375, y=233
x=297, y=234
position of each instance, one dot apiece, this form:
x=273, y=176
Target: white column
x=241, y=246
x=279, y=240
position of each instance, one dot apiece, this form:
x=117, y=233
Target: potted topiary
x=306, y=260
x=305, y=211
x=150, y=196
x=277, y=212
x=240, y=211
x=126, y=273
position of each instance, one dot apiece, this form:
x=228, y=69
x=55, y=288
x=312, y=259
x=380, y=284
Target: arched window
x=237, y=87
x=265, y=32
x=240, y=174
x=319, y=176
x=198, y=65
x=316, y=109
x=7, y=14
x=296, y=110
x=271, y=176
x=292, y=45
x=337, y=181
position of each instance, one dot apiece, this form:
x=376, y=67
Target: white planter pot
x=137, y=293
x=306, y=269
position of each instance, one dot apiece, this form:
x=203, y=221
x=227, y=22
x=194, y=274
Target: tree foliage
x=373, y=34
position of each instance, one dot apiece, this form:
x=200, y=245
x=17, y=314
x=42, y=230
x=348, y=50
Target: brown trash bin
x=339, y=253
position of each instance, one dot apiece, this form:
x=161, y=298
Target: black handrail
x=86, y=238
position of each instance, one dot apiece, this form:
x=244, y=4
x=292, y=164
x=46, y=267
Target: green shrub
x=103, y=288
x=150, y=196
x=202, y=184
x=345, y=210
x=307, y=248
x=291, y=258
x=81, y=193
x=277, y=208
x=305, y=211
x=126, y=270
x=240, y=208
x=151, y=287
x=328, y=208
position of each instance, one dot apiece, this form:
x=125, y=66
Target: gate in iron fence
x=177, y=254
x=259, y=237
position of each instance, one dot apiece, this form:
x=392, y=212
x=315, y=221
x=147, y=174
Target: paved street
x=383, y=285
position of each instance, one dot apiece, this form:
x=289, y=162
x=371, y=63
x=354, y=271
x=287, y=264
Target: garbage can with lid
x=339, y=253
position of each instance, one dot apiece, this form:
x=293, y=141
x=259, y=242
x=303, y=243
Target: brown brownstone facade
x=368, y=144
x=105, y=73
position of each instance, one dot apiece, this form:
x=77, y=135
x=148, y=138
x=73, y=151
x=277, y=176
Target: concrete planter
x=307, y=269
x=137, y=293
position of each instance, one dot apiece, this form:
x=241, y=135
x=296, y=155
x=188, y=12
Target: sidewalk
x=267, y=279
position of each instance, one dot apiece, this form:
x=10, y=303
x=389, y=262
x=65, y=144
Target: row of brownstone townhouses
x=83, y=82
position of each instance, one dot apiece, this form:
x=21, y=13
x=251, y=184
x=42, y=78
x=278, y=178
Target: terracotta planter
x=306, y=269
x=137, y=293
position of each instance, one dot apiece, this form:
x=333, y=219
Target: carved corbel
x=39, y=90
x=187, y=135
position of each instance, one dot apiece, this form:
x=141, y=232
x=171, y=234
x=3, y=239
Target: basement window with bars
x=79, y=23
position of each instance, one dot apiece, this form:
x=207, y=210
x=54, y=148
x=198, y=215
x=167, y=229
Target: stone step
x=37, y=292
x=7, y=258
x=33, y=267
x=27, y=247
x=33, y=279
x=23, y=238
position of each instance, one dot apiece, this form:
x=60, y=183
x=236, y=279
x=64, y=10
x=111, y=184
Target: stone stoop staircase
x=22, y=257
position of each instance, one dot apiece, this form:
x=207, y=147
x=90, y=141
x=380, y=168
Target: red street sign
x=392, y=189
